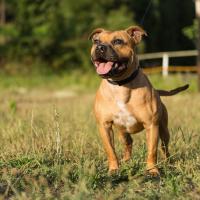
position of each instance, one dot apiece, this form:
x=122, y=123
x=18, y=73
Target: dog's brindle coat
x=132, y=107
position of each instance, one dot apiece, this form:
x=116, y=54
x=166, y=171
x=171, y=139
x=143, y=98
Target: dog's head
x=113, y=52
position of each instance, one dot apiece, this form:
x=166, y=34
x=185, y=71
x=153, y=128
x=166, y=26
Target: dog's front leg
x=127, y=141
x=107, y=136
x=152, y=135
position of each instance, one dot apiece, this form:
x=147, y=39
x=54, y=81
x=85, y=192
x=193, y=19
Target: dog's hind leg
x=164, y=136
x=106, y=134
x=127, y=141
x=164, y=133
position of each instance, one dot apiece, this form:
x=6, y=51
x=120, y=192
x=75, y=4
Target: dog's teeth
x=96, y=64
x=116, y=65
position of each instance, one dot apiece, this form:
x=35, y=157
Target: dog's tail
x=172, y=92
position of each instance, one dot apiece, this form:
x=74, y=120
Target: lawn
x=50, y=147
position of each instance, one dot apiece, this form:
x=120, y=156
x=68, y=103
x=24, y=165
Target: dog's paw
x=152, y=176
x=153, y=172
x=113, y=171
x=126, y=158
x=113, y=167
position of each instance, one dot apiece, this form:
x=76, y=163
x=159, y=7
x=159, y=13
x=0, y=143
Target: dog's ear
x=95, y=32
x=136, y=33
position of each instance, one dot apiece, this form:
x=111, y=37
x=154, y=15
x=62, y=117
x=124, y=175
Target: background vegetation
x=54, y=33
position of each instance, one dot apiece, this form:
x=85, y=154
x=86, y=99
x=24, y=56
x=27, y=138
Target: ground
x=50, y=147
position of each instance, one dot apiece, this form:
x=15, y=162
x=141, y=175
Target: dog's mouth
x=106, y=68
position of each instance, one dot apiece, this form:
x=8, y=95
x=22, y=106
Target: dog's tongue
x=104, y=68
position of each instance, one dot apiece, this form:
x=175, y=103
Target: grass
x=81, y=81
x=50, y=147
x=75, y=80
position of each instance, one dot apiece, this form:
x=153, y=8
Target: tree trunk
x=197, y=7
x=198, y=49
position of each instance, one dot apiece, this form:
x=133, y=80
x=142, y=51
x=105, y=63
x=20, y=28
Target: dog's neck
x=126, y=80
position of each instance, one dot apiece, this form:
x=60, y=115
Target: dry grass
x=50, y=149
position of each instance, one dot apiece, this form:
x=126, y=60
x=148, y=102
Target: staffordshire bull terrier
x=126, y=99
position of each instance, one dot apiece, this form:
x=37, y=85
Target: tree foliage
x=56, y=31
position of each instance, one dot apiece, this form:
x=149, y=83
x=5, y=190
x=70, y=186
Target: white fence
x=165, y=56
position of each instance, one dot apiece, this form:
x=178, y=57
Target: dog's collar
x=127, y=80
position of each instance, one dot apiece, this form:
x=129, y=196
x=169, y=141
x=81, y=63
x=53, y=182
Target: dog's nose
x=101, y=48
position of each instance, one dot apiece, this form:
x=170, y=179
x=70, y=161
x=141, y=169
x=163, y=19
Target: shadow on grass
x=117, y=178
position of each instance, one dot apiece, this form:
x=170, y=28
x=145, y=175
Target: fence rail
x=165, y=56
x=159, y=69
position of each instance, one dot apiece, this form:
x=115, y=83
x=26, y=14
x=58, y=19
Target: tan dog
x=126, y=98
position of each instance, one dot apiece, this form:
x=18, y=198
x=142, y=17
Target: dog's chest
x=123, y=117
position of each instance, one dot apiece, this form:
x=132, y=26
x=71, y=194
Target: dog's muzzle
x=107, y=62
x=108, y=69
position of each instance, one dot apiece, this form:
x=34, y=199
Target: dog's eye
x=118, y=42
x=96, y=41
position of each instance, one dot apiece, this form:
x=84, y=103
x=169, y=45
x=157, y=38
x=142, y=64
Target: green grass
x=81, y=81
x=76, y=80
x=50, y=147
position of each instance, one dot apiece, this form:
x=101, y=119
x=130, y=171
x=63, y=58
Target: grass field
x=50, y=147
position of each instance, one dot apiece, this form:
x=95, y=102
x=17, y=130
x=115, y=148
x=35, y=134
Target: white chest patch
x=124, y=117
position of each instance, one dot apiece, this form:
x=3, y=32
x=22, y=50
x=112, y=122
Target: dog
x=126, y=99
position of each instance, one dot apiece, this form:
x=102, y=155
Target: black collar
x=127, y=80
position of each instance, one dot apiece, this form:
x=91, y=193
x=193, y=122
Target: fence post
x=165, y=64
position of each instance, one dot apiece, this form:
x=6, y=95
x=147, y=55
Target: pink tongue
x=104, y=68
